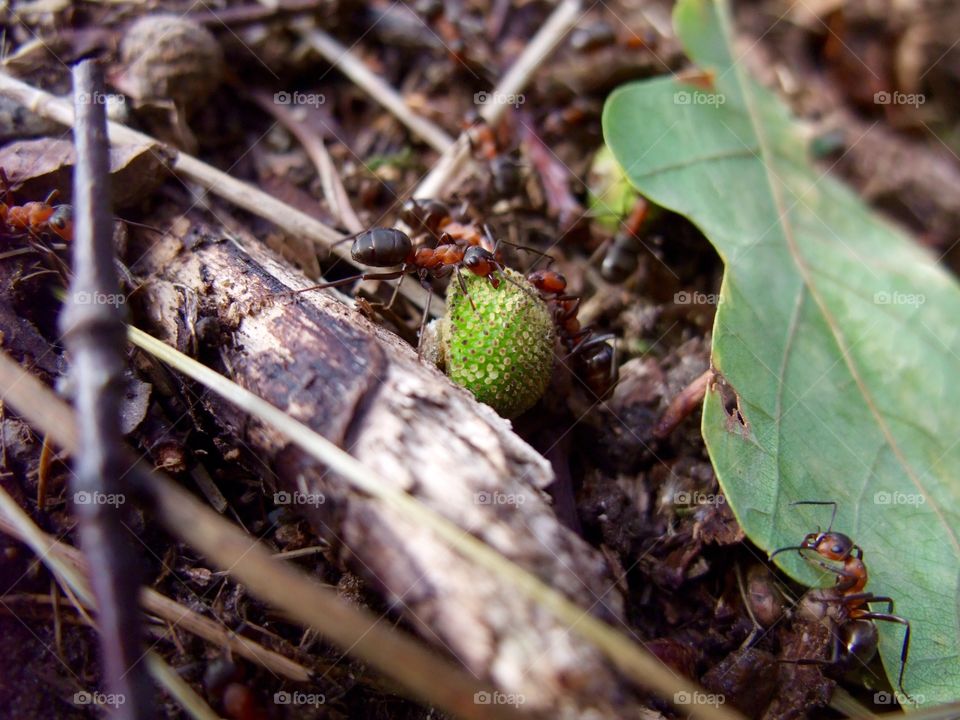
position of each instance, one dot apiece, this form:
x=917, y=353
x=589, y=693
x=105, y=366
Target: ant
x=36, y=217
x=856, y=635
x=39, y=217
x=39, y=223
x=388, y=247
x=506, y=171
x=623, y=257
x=594, y=357
x=599, y=35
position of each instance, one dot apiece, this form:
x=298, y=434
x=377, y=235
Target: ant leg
x=832, y=660
x=589, y=340
x=423, y=319
x=904, y=649
x=463, y=287
x=396, y=291
x=833, y=516
x=614, y=371
x=575, y=308
x=346, y=281
x=870, y=598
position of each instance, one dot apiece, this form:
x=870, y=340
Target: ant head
x=479, y=261
x=61, y=222
x=831, y=545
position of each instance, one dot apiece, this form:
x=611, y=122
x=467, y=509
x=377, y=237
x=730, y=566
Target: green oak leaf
x=836, y=340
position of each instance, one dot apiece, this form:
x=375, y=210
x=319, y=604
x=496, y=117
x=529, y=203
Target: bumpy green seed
x=502, y=351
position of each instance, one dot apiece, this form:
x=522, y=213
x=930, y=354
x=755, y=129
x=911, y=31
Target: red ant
x=594, y=357
x=37, y=222
x=389, y=247
x=856, y=635
x=36, y=217
x=39, y=217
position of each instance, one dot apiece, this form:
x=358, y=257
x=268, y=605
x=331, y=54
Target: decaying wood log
x=363, y=388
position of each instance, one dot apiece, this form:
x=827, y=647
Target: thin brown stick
x=95, y=337
x=163, y=607
x=437, y=182
x=333, y=190
x=683, y=405
x=344, y=60
x=75, y=587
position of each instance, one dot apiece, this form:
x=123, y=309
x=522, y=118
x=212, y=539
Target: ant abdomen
x=382, y=247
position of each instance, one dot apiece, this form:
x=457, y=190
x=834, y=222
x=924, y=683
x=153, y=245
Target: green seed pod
x=502, y=351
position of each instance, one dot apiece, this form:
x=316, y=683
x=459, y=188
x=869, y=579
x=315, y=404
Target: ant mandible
x=856, y=634
x=594, y=358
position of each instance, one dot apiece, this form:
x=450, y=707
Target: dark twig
x=95, y=337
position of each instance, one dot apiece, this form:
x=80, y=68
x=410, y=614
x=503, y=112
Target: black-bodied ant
x=623, y=257
x=594, y=358
x=454, y=247
x=854, y=632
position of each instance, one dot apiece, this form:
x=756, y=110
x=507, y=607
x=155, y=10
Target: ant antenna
x=833, y=515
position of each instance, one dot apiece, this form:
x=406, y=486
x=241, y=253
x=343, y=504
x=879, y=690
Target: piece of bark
x=35, y=167
x=363, y=388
